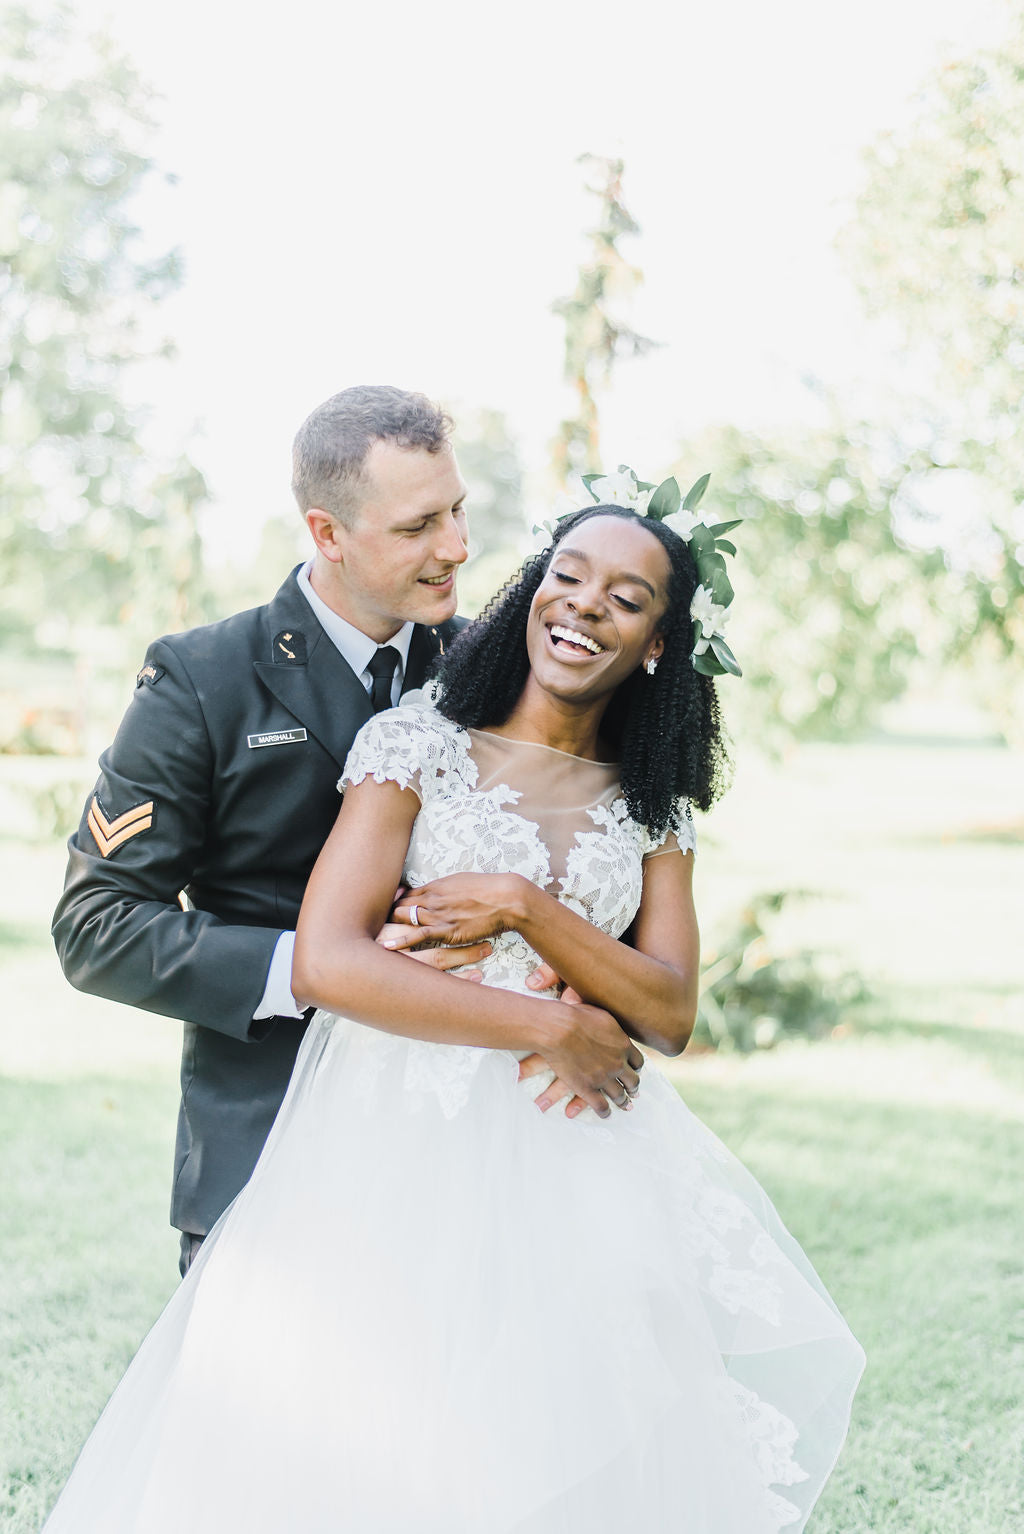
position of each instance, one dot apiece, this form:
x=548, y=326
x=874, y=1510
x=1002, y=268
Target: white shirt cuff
x=278, y=1000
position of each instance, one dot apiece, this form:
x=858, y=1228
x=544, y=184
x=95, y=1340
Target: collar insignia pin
x=290, y=648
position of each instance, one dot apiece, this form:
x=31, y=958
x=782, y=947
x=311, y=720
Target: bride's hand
x=558, y=1089
x=459, y=909
x=592, y=1057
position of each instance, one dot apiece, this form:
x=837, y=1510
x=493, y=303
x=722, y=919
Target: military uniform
x=219, y=784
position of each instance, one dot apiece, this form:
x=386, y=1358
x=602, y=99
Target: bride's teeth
x=575, y=637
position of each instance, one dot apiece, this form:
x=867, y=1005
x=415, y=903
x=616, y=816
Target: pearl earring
x=650, y=665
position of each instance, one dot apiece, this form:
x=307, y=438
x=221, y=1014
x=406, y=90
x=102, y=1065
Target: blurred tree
x=938, y=245
x=490, y=463
x=594, y=337
x=831, y=611
x=870, y=546
x=92, y=534
x=492, y=468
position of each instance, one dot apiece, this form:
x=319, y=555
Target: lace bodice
x=493, y=805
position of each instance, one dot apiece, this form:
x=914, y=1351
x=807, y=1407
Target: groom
x=187, y=871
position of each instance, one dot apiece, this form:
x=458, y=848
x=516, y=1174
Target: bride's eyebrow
x=624, y=575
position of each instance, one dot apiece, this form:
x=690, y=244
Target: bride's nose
x=586, y=602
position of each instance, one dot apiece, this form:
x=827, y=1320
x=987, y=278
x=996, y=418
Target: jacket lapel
x=305, y=672
x=425, y=645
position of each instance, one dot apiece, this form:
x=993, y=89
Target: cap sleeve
x=681, y=835
x=411, y=745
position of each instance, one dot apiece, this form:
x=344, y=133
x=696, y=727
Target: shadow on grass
x=1000, y=1049
x=1006, y=834
x=919, y=741
x=861, y=1173
x=15, y=936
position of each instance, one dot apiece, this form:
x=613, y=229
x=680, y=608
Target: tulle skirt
x=435, y=1310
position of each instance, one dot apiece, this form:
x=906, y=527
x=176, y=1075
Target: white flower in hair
x=683, y=523
x=711, y=654
x=616, y=489
x=710, y=615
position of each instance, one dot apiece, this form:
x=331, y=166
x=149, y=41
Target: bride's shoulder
x=679, y=835
x=413, y=744
x=418, y=717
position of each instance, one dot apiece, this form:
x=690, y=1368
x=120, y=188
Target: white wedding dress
x=435, y=1310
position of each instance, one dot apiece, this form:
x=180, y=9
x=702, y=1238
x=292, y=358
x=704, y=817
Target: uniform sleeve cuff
x=277, y=999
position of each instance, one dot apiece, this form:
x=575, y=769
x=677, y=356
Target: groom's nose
x=451, y=546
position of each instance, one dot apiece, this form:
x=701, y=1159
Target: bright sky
x=388, y=193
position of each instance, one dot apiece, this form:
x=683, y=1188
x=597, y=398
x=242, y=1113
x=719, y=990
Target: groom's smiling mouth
x=572, y=641
x=440, y=582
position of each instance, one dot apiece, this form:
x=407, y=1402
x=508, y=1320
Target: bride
x=435, y=1309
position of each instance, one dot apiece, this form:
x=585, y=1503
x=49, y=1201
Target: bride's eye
x=631, y=607
x=560, y=575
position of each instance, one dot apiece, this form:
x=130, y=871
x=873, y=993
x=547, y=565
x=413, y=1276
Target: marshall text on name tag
x=276, y=738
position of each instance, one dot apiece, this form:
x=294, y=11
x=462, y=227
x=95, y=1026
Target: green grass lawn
x=893, y=1150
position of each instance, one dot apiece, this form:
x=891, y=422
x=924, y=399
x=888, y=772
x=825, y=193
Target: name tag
x=276, y=738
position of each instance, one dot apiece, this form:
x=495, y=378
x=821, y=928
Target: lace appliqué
x=680, y=826
x=772, y=1438
x=604, y=874
x=409, y=746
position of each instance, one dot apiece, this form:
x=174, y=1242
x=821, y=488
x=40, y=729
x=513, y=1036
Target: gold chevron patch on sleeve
x=111, y=834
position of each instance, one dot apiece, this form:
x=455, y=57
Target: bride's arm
x=650, y=985
x=339, y=966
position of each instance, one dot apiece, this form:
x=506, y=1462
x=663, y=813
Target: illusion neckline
x=514, y=741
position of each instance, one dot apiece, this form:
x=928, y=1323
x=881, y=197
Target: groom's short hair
x=331, y=446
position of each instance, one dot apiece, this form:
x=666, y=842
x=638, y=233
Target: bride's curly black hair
x=665, y=730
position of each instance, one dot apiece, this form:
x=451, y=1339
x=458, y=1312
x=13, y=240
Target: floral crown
x=666, y=503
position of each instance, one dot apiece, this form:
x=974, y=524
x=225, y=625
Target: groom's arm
x=120, y=928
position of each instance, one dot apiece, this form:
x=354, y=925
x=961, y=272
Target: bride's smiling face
x=596, y=614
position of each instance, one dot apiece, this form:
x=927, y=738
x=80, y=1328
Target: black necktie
x=382, y=669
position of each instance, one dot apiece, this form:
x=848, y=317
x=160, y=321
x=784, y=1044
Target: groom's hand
x=533, y=1065
x=438, y=958
x=543, y=978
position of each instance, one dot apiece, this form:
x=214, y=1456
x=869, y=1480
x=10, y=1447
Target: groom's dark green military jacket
x=193, y=854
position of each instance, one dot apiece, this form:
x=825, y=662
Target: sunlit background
x=781, y=243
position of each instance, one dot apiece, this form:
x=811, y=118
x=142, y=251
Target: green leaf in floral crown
x=693, y=495
x=665, y=500
x=714, y=574
x=702, y=543
x=724, y=527
x=725, y=655
x=724, y=546
x=708, y=664
x=545, y=527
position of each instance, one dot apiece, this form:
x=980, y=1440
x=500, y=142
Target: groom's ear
x=324, y=530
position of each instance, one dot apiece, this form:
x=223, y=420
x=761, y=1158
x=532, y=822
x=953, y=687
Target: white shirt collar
x=355, y=647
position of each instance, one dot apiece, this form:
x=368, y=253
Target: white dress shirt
x=357, y=649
